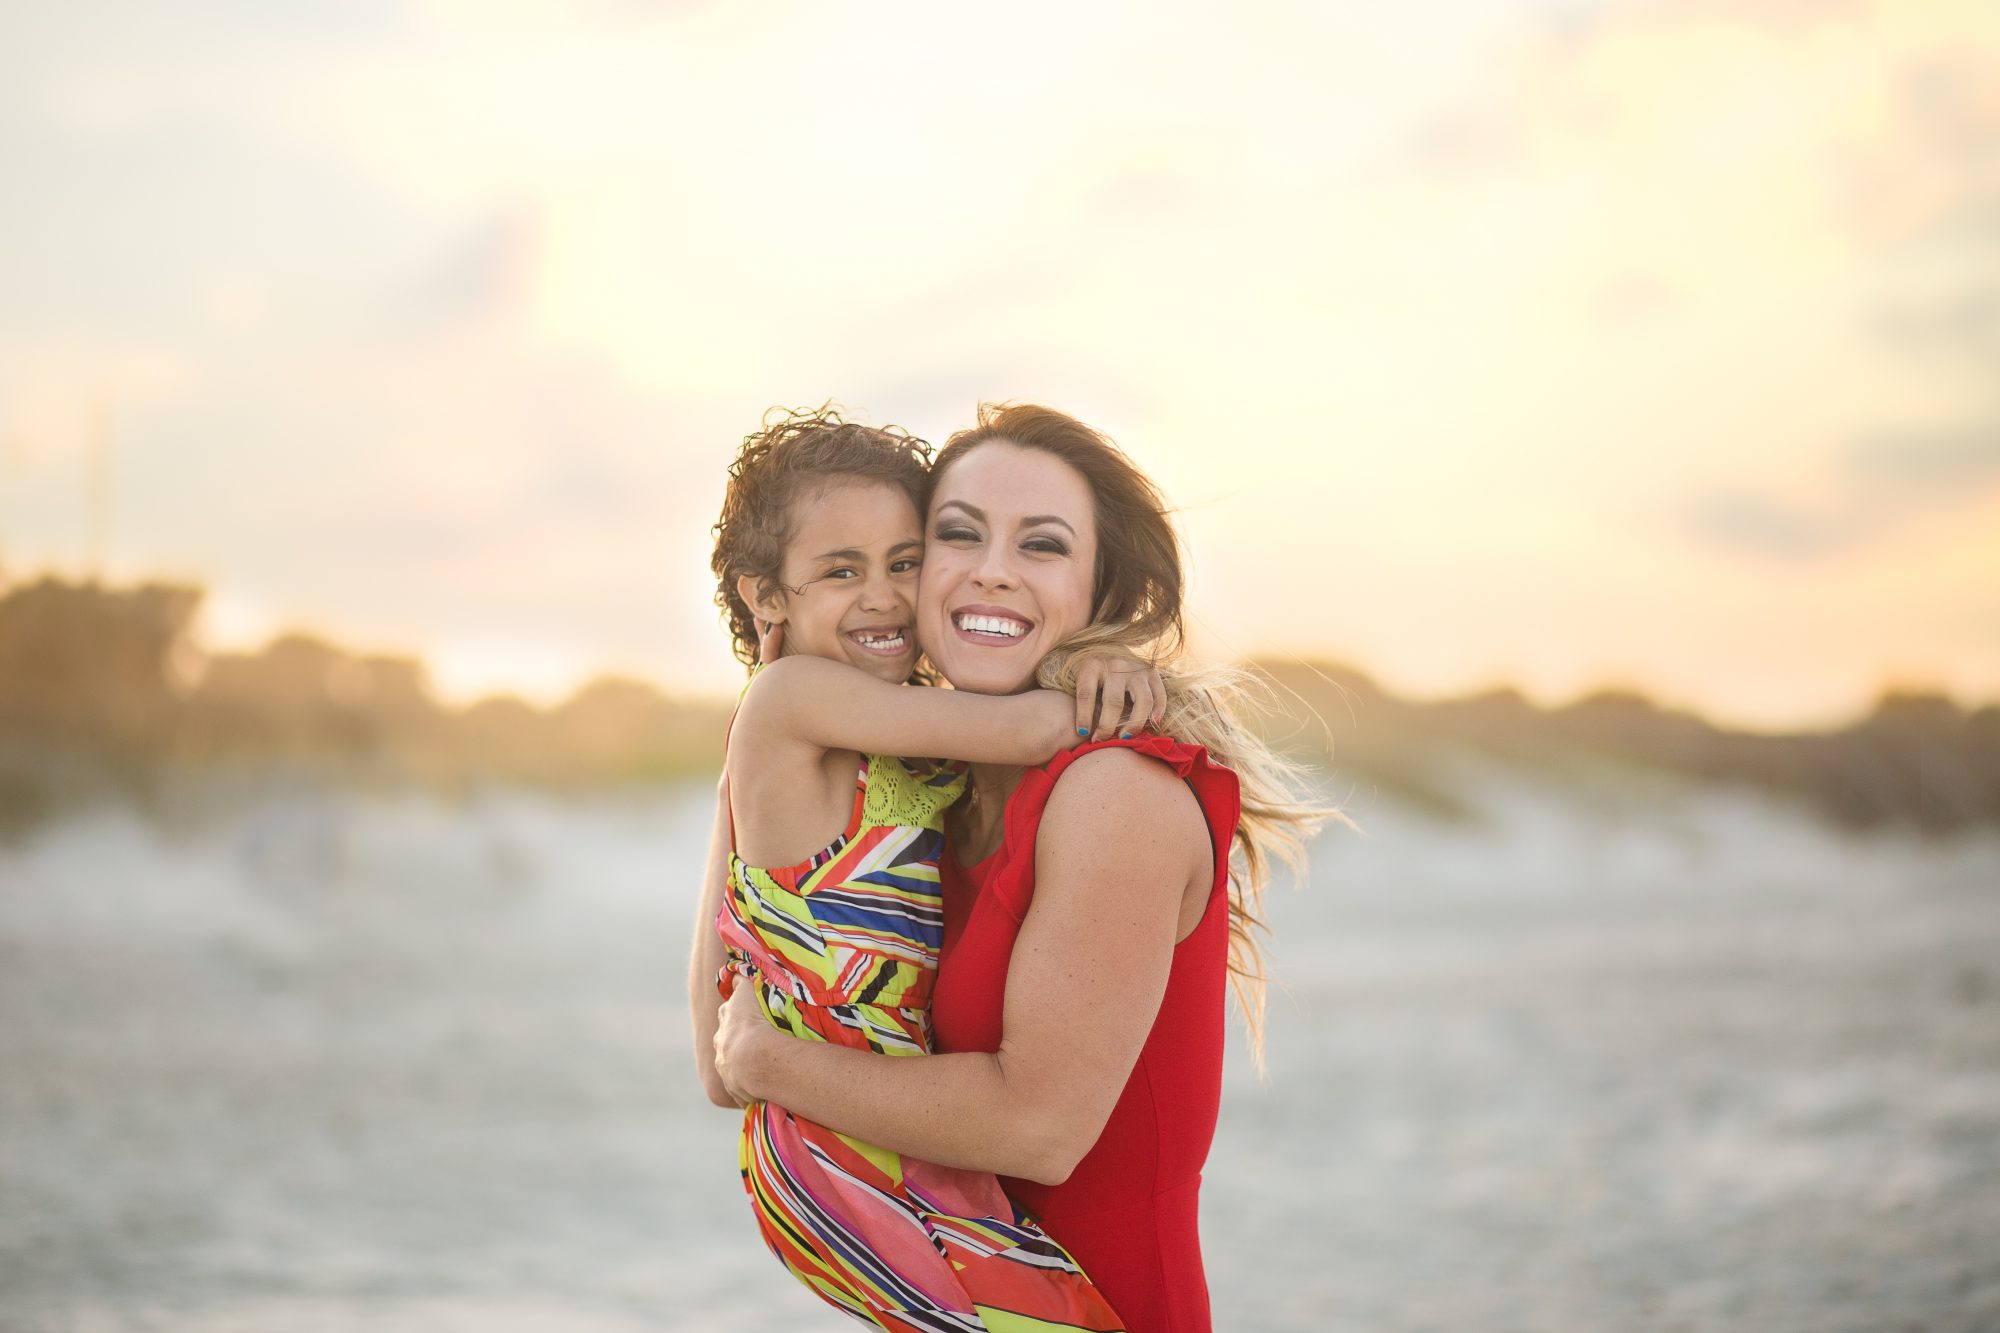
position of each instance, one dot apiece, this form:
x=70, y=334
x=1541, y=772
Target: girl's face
x=850, y=578
x=1009, y=568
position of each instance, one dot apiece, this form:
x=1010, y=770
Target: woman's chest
x=971, y=988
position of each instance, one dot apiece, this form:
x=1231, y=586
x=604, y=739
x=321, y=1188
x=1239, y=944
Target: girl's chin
x=892, y=669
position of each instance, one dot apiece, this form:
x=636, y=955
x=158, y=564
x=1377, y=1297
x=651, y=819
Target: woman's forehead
x=1008, y=483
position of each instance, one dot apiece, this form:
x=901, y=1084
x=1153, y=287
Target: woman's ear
x=763, y=596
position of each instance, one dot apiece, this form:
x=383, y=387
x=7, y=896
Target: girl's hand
x=739, y=1036
x=1116, y=694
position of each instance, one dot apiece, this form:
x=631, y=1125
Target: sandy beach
x=1620, y=1054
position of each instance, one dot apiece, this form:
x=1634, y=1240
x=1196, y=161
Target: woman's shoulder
x=1118, y=798
x=1095, y=794
x=1141, y=777
x=1132, y=755
x=1110, y=770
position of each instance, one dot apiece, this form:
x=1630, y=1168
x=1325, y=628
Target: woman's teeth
x=1012, y=629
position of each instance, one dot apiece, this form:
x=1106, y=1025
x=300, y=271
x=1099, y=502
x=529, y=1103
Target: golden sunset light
x=1553, y=889
x=1565, y=345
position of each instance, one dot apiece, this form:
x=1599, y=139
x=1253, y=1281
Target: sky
x=1647, y=345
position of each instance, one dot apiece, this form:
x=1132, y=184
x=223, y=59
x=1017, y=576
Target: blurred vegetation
x=104, y=694
x=1916, y=759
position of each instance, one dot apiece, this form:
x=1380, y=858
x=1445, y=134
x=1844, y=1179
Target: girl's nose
x=879, y=593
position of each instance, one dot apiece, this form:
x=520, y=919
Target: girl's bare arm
x=1116, y=693
x=834, y=706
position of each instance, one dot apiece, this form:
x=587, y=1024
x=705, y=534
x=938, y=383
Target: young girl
x=832, y=908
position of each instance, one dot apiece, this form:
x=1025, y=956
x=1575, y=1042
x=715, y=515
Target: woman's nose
x=995, y=569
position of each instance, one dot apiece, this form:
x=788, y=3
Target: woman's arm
x=705, y=957
x=835, y=706
x=1118, y=846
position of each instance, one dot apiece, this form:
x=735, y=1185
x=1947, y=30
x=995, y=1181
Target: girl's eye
x=906, y=565
x=957, y=534
x=842, y=572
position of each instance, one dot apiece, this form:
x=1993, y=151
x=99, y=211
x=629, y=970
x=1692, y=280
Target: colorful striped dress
x=843, y=947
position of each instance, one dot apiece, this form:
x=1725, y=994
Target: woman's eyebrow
x=1032, y=520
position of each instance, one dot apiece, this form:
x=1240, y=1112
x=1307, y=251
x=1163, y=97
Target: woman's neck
x=982, y=814
x=995, y=782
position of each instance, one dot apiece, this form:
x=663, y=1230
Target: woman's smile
x=992, y=625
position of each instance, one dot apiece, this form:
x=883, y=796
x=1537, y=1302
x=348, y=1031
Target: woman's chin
x=985, y=677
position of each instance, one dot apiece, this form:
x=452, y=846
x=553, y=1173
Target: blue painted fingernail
x=1124, y=735
x=1083, y=731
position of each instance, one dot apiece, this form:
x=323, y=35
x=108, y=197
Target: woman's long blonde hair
x=1139, y=587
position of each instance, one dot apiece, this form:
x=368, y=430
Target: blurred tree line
x=1916, y=759
x=104, y=691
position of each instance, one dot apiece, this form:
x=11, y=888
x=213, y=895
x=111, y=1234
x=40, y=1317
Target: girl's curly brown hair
x=797, y=453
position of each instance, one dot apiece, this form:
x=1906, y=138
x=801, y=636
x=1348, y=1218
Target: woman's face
x=1010, y=561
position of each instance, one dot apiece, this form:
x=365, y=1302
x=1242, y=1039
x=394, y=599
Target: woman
x=1091, y=917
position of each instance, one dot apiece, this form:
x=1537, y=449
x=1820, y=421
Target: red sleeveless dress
x=1128, y=1213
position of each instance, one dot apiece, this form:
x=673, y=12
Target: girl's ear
x=762, y=596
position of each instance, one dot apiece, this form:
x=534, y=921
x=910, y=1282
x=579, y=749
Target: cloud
x=486, y=272
x=1753, y=523
x=1883, y=485
x=1962, y=320
x=1927, y=468
x=477, y=298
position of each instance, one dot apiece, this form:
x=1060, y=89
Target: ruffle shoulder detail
x=1214, y=786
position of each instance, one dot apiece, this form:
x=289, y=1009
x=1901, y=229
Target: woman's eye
x=1045, y=546
x=957, y=535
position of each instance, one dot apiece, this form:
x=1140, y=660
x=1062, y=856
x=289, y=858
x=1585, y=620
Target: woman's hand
x=706, y=957
x=1116, y=693
x=1121, y=846
x=740, y=1036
